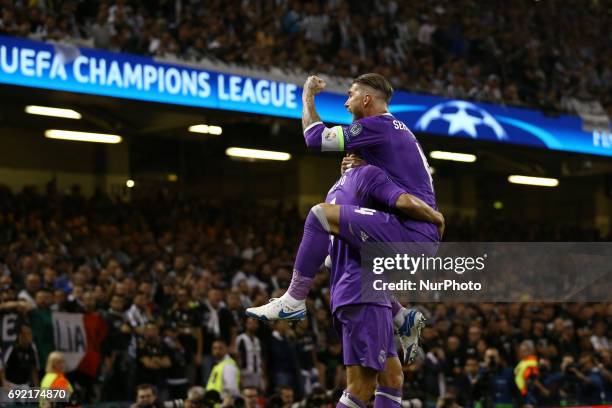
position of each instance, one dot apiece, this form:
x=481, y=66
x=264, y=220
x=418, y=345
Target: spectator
x=406, y=42
x=236, y=311
x=32, y=284
x=591, y=383
x=42, y=326
x=138, y=315
x=177, y=374
x=126, y=247
x=146, y=397
x=54, y=376
x=599, y=340
x=548, y=385
x=305, y=344
x=153, y=357
x=184, y=317
x=251, y=397
x=217, y=325
x=86, y=374
x=498, y=379
x=21, y=361
x=249, y=354
x=225, y=375
x=195, y=397
x=472, y=384
x=284, y=399
x=282, y=359
x=491, y=91
x=115, y=350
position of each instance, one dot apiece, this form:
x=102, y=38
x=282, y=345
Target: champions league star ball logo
x=461, y=117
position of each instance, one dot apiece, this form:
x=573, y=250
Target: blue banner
x=66, y=68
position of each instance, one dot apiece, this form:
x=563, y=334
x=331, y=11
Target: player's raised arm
x=316, y=134
x=368, y=99
x=312, y=86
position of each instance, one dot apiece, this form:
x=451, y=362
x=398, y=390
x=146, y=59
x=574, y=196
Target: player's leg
x=409, y=324
x=367, y=340
x=388, y=393
x=310, y=256
x=360, y=386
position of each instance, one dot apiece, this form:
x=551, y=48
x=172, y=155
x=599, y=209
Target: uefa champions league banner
x=82, y=70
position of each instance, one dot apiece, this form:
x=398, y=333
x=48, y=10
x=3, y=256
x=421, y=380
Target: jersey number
x=365, y=211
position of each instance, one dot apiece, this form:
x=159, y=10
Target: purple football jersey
x=365, y=186
x=387, y=143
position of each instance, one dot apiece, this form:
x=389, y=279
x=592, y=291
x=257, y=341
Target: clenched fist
x=313, y=85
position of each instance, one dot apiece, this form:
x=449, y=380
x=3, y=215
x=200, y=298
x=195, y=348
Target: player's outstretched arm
x=312, y=86
x=316, y=134
x=417, y=209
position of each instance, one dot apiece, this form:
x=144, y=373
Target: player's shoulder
x=376, y=120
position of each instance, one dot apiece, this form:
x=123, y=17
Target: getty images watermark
x=408, y=264
x=487, y=271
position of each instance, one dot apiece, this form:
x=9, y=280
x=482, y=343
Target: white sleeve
x=230, y=380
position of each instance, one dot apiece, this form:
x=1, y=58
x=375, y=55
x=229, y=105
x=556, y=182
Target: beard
x=357, y=115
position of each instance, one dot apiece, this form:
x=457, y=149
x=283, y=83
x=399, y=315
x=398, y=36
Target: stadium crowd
x=523, y=53
x=161, y=284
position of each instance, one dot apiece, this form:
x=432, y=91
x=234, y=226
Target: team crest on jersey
x=382, y=356
x=355, y=129
x=329, y=136
x=364, y=236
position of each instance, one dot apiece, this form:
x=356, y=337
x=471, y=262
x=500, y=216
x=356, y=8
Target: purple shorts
x=359, y=225
x=367, y=335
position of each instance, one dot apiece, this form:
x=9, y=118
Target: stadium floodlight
x=55, y=112
x=207, y=129
x=82, y=136
x=257, y=154
x=130, y=183
x=460, y=157
x=533, y=181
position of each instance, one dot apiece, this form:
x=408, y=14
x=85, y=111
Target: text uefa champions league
x=142, y=76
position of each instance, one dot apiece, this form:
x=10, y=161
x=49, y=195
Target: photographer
x=195, y=399
x=590, y=381
x=472, y=383
x=569, y=384
x=317, y=398
x=449, y=400
x=547, y=384
x=497, y=379
x=605, y=365
x=146, y=397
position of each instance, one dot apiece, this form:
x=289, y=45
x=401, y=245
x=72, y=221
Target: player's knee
x=319, y=213
x=362, y=383
x=364, y=390
x=393, y=376
x=392, y=380
x=328, y=216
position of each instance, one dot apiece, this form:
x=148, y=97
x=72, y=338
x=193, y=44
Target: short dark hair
x=378, y=82
x=142, y=387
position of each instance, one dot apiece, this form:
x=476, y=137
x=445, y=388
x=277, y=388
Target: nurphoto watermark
x=488, y=272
